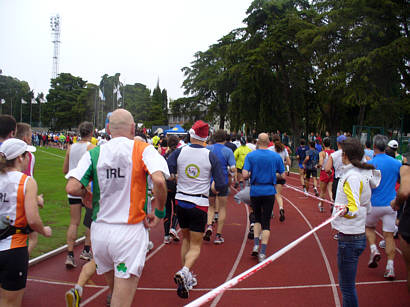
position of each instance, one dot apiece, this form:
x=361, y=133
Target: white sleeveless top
x=194, y=175
x=77, y=150
x=12, y=193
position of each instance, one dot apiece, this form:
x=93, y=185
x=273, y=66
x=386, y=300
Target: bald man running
x=261, y=167
x=118, y=233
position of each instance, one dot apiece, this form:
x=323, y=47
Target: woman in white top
x=353, y=196
x=18, y=210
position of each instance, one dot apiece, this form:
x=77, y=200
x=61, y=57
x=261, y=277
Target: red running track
x=305, y=276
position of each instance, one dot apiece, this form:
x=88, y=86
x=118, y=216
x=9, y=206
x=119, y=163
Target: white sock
x=79, y=289
x=185, y=270
x=373, y=247
x=390, y=264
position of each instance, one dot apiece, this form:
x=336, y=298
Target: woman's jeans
x=349, y=249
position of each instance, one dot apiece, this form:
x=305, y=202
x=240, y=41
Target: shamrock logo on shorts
x=121, y=267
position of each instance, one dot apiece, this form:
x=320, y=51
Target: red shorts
x=325, y=177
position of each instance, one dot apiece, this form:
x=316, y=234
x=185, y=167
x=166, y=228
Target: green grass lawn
x=56, y=212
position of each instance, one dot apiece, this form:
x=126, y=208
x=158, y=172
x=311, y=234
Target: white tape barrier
x=308, y=194
x=234, y=281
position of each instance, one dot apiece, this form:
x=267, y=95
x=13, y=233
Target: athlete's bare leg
x=278, y=195
x=75, y=214
x=191, y=247
x=11, y=298
x=124, y=291
x=221, y=212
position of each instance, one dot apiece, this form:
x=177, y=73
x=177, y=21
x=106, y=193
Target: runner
x=240, y=154
x=119, y=170
x=335, y=162
x=402, y=201
x=171, y=219
x=301, y=155
x=325, y=179
x=381, y=210
x=393, y=144
x=194, y=165
x=8, y=127
x=283, y=153
x=18, y=210
x=261, y=167
x=310, y=164
x=24, y=133
x=72, y=157
x=227, y=164
x=368, y=151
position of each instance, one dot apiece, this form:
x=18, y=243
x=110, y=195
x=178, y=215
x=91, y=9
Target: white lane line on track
x=50, y=153
x=238, y=257
x=329, y=270
x=397, y=249
x=369, y=283
x=60, y=283
x=91, y=298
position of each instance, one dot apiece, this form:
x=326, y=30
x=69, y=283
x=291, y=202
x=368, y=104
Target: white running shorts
x=119, y=247
x=386, y=214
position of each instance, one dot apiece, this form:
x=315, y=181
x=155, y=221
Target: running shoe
x=336, y=237
x=167, y=240
x=255, y=251
x=70, y=262
x=316, y=192
x=389, y=273
x=319, y=205
x=86, y=255
x=181, y=279
x=282, y=215
x=382, y=244
x=219, y=239
x=72, y=298
x=208, y=233
x=304, y=190
x=173, y=233
x=374, y=258
x=236, y=185
x=288, y=173
x=192, y=281
x=261, y=257
x=250, y=233
x=150, y=246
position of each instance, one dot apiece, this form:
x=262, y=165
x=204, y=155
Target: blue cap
x=341, y=138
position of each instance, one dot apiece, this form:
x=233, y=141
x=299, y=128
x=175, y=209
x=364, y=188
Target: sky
x=142, y=40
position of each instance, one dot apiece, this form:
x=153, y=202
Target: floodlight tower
x=55, y=30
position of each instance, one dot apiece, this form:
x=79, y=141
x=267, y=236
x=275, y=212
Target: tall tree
x=66, y=102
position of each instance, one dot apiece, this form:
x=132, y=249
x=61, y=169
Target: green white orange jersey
x=354, y=192
x=12, y=193
x=119, y=170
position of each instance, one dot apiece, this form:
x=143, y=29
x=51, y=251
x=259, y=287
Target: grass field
x=51, y=183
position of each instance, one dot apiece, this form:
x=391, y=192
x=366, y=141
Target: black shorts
x=239, y=170
x=225, y=192
x=262, y=207
x=13, y=268
x=194, y=219
x=281, y=181
x=88, y=212
x=311, y=172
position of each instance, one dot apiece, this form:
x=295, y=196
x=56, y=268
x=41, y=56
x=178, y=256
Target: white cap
x=393, y=144
x=12, y=148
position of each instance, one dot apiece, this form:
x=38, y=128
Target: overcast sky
x=142, y=40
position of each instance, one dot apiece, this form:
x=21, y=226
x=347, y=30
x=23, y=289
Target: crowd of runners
x=129, y=182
